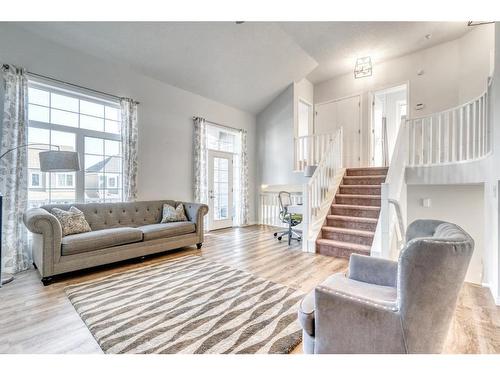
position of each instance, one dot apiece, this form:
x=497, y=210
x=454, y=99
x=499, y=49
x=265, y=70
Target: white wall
x=454, y=72
x=275, y=142
x=459, y=204
x=491, y=187
x=301, y=90
x=165, y=112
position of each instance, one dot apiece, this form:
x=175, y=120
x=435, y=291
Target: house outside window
x=74, y=121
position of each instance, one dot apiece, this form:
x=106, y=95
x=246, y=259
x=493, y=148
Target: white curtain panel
x=16, y=256
x=129, y=148
x=243, y=209
x=200, y=161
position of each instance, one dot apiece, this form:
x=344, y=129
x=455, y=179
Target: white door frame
x=371, y=98
x=226, y=223
x=360, y=119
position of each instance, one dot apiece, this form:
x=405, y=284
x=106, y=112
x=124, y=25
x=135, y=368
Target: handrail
x=452, y=136
x=392, y=191
x=399, y=216
x=309, y=149
x=319, y=190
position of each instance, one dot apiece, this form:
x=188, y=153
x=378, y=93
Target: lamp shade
x=59, y=161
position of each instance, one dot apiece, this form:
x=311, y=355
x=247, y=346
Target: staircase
x=352, y=220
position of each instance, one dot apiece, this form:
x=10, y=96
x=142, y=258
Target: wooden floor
x=37, y=319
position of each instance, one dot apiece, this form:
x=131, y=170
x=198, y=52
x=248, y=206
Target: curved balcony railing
x=456, y=135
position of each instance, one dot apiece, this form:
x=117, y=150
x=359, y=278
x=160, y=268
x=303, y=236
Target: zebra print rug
x=189, y=305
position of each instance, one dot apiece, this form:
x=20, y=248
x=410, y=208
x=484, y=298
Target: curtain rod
x=6, y=67
x=221, y=125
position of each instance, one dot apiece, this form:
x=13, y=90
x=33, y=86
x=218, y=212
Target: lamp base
x=7, y=279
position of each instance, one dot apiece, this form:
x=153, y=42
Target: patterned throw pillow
x=72, y=221
x=171, y=214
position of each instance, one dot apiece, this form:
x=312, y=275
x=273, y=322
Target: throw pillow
x=72, y=221
x=171, y=214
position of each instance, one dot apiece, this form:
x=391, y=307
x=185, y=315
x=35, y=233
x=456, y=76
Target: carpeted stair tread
x=357, y=232
x=344, y=245
x=352, y=218
x=366, y=171
x=356, y=207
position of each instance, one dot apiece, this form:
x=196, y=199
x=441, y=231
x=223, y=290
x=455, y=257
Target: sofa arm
x=40, y=221
x=373, y=270
x=195, y=213
x=348, y=324
x=47, y=246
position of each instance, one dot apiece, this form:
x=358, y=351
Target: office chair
x=290, y=219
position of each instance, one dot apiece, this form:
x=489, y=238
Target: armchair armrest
x=373, y=270
x=345, y=323
x=421, y=228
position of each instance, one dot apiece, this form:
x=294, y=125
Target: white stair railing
x=320, y=190
x=310, y=149
x=455, y=135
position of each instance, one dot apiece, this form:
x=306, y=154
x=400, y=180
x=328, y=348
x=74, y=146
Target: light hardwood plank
x=38, y=319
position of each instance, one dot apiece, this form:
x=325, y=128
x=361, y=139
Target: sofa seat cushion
x=166, y=230
x=99, y=239
x=383, y=295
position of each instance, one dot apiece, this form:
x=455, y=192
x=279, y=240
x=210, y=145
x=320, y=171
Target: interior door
x=220, y=189
x=343, y=113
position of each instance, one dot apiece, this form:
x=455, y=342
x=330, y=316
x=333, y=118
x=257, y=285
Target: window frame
x=80, y=134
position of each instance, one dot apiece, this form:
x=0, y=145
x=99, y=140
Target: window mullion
x=80, y=175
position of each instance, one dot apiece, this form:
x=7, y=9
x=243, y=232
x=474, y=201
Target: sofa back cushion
x=122, y=214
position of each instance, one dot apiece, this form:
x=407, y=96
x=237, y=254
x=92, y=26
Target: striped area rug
x=189, y=305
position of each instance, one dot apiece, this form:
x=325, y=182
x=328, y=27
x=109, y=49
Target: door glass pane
x=221, y=189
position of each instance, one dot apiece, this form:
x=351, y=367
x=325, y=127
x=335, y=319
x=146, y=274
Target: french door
x=220, y=189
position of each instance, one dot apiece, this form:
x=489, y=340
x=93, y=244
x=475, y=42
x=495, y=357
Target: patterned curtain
x=243, y=209
x=200, y=161
x=16, y=256
x=129, y=148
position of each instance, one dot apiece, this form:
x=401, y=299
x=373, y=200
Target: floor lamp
x=50, y=161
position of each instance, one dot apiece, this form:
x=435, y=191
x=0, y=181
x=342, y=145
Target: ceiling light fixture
x=363, y=67
x=428, y=36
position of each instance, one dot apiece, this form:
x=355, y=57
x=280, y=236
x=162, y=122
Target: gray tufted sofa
x=119, y=231
x=391, y=307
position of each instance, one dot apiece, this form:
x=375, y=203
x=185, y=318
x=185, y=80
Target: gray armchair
x=391, y=307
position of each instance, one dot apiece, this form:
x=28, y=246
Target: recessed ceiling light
x=428, y=36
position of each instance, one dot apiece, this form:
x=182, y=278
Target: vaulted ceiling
x=244, y=65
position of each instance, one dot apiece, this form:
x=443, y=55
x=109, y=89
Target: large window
x=73, y=121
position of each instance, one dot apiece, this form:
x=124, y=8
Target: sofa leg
x=47, y=280
x=198, y=245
